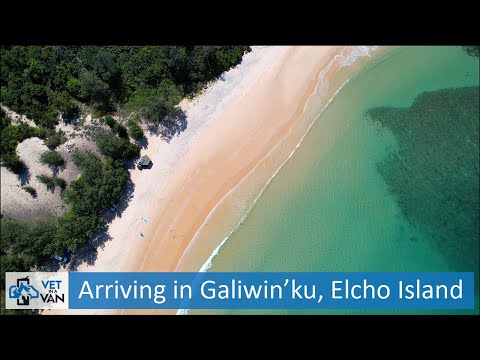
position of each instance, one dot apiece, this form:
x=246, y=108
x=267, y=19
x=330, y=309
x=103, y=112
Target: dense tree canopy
x=41, y=81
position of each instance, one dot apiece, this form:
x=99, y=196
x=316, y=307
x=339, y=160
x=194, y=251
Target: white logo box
x=36, y=290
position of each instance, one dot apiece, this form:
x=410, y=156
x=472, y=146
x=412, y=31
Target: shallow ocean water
x=343, y=202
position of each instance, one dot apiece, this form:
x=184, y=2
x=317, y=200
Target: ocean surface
x=385, y=180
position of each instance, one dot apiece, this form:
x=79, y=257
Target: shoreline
x=232, y=126
x=188, y=208
x=315, y=104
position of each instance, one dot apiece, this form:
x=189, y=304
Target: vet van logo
x=23, y=292
x=37, y=290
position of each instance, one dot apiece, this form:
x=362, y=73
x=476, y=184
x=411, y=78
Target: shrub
x=44, y=179
x=61, y=182
x=13, y=162
x=109, y=120
x=135, y=130
x=30, y=190
x=13, y=135
x=55, y=140
x=51, y=158
x=120, y=130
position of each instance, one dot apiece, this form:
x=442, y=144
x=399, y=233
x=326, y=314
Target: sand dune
x=17, y=203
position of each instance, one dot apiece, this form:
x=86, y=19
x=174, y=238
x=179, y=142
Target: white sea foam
x=344, y=60
x=207, y=265
x=357, y=53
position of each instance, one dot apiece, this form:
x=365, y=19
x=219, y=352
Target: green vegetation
x=13, y=162
x=88, y=197
x=47, y=180
x=155, y=104
x=30, y=190
x=25, y=246
x=120, y=130
x=115, y=147
x=51, y=158
x=135, y=130
x=109, y=120
x=10, y=137
x=31, y=76
x=61, y=183
x=51, y=182
x=43, y=81
x=55, y=139
x=116, y=127
x=99, y=186
x=13, y=135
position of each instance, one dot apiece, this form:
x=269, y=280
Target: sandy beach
x=231, y=126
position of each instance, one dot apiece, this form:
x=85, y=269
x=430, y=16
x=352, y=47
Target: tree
x=104, y=65
x=73, y=87
x=13, y=135
x=42, y=246
x=62, y=102
x=40, y=81
x=33, y=244
x=120, y=130
x=100, y=184
x=155, y=104
x=94, y=90
x=75, y=230
x=178, y=63
x=4, y=120
x=114, y=147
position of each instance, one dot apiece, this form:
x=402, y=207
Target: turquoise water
x=331, y=207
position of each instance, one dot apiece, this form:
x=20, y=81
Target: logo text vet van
x=36, y=290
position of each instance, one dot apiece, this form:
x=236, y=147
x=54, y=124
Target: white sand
x=253, y=105
x=17, y=203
